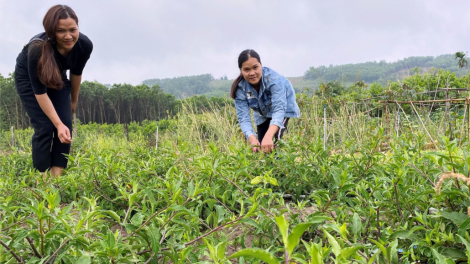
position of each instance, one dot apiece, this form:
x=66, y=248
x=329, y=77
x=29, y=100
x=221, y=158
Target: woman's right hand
x=255, y=143
x=63, y=133
x=46, y=105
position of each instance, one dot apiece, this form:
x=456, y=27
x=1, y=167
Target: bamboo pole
x=419, y=117
x=324, y=127
x=398, y=123
x=462, y=129
x=468, y=124
x=418, y=102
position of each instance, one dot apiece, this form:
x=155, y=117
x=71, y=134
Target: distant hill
x=369, y=72
x=382, y=71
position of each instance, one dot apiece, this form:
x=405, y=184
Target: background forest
x=157, y=99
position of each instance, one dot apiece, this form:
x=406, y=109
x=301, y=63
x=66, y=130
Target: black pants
x=263, y=128
x=48, y=151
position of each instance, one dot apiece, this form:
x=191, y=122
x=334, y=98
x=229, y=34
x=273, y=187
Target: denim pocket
x=253, y=104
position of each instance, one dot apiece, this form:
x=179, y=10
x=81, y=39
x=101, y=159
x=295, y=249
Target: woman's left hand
x=267, y=144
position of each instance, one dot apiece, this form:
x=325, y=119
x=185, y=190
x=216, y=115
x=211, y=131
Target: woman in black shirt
x=47, y=95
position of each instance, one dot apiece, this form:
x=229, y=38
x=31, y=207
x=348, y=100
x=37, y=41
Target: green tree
x=462, y=59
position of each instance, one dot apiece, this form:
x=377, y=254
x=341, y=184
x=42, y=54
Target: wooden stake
x=324, y=127
x=74, y=134
x=126, y=132
x=12, y=136
x=156, y=138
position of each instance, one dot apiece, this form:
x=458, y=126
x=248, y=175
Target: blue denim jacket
x=276, y=100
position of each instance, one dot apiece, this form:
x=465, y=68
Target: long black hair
x=244, y=56
x=48, y=70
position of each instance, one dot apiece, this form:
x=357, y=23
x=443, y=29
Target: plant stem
x=210, y=232
x=57, y=251
x=422, y=173
x=41, y=233
x=146, y=222
x=398, y=204
x=378, y=224
x=125, y=219
x=246, y=195
x=17, y=223
x=11, y=251
x=329, y=202
x=31, y=243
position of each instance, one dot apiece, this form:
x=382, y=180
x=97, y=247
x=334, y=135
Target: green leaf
x=154, y=235
x=467, y=246
x=176, y=195
x=356, y=225
x=440, y=259
x=464, y=227
x=315, y=251
x=212, y=252
x=50, y=234
x=113, y=215
x=382, y=248
x=257, y=254
x=84, y=259
x=348, y=252
x=455, y=217
x=251, y=222
x=256, y=180
x=176, y=207
x=283, y=228
x=130, y=227
x=335, y=247
x=346, y=187
x=220, y=249
x=295, y=235
x=318, y=219
x=453, y=253
x=273, y=181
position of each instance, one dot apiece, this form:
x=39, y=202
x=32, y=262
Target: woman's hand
x=267, y=144
x=63, y=133
x=255, y=143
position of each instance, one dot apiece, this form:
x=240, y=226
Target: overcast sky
x=136, y=40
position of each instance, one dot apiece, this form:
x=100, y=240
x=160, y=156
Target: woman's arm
x=63, y=131
x=75, y=81
x=244, y=119
x=279, y=106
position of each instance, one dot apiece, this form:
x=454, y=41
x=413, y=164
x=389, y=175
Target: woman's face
x=66, y=33
x=252, y=71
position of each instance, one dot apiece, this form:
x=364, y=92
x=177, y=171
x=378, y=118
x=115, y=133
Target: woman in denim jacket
x=270, y=96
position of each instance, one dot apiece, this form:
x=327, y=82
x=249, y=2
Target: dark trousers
x=263, y=128
x=48, y=151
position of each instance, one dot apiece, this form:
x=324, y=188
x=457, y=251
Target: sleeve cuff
x=249, y=134
x=78, y=73
x=278, y=123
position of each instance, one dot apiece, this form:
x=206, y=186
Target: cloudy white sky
x=136, y=40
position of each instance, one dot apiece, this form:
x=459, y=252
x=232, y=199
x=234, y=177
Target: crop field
x=377, y=191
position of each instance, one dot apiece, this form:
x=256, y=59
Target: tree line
x=120, y=103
